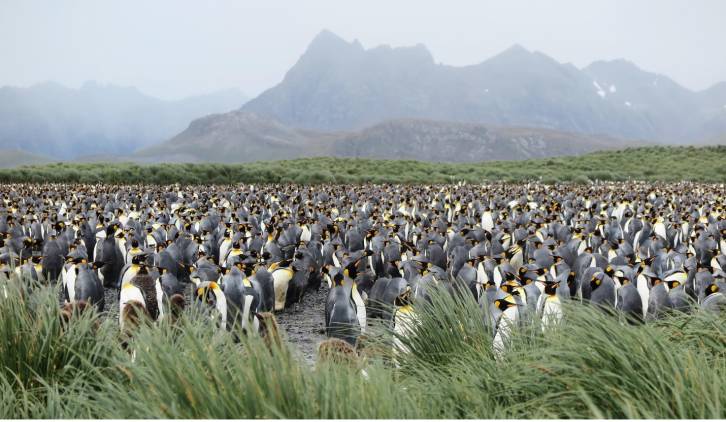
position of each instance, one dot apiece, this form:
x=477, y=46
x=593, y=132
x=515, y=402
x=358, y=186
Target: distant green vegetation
x=702, y=164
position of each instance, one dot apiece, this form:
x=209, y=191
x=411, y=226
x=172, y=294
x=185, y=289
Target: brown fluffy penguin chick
x=75, y=308
x=134, y=314
x=176, y=307
x=335, y=350
x=269, y=330
x=368, y=349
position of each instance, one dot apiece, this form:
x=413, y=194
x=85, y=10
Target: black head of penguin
x=111, y=230
x=138, y=259
x=672, y=284
x=503, y=304
x=595, y=281
x=352, y=269
x=510, y=286
x=551, y=288
x=711, y=289
x=246, y=268
x=206, y=295
x=97, y=264
x=625, y=280
x=404, y=299
x=338, y=279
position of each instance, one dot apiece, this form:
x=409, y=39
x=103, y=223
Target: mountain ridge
x=339, y=85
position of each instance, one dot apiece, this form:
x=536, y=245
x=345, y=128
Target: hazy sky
x=177, y=48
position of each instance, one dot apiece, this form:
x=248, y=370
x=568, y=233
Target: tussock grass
x=38, y=348
x=700, y=164
x=591, y=366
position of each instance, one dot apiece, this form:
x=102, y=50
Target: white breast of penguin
x=281, y=280
x=360, y=307
x=69, y=279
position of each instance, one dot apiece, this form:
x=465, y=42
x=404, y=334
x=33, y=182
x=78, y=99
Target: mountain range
x=339, y=85
x=55, y=121
x=341, y=99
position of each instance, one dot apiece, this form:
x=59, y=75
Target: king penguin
x=144, y=290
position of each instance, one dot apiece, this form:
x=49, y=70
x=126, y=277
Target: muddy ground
x=304, y=323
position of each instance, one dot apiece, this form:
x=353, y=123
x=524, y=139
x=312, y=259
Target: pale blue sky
x=175, y=48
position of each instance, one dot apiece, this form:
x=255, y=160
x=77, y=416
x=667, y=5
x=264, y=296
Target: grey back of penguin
x=88, y=286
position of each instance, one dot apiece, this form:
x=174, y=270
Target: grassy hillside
x=704, y=164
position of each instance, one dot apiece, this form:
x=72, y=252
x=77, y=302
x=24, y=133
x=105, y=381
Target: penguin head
x=351, y=270
x=246, y=269
x=596, y=280
x=138, y=259
x=542, y=274
x=510, y=286
x=338, y=279
x=206, y=294
x=507, y=302
x=711, y=289
x=526, y=274
x=239, y=264
x=404, y=299
x=571, y=279
x=622, y=277
x=551, y=288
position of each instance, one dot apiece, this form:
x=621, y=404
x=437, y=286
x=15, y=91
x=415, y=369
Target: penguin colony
x=637, y=249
